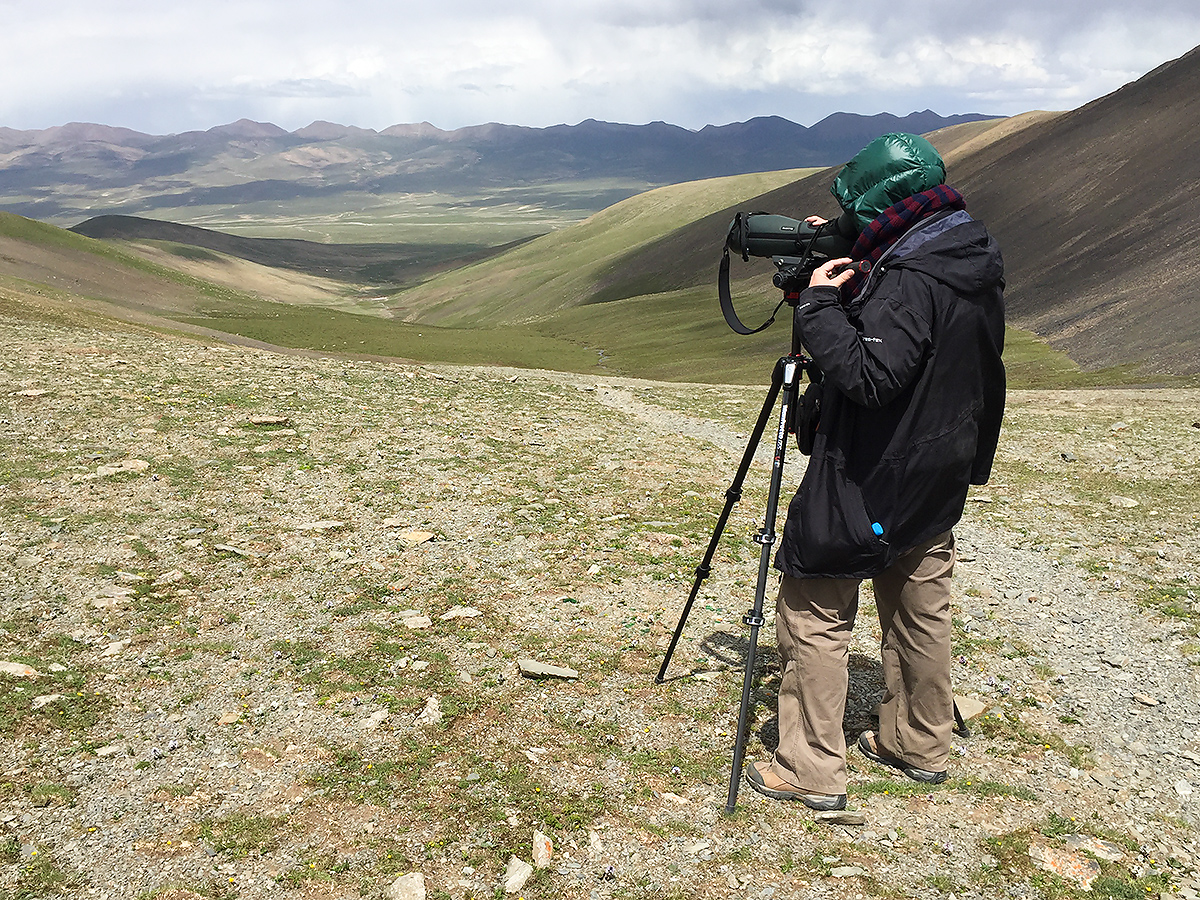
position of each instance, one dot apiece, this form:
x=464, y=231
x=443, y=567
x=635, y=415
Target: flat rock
x=1066, y=864
x=19, y=670
x=531, y=668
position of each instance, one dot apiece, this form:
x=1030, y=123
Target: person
x=907, y=332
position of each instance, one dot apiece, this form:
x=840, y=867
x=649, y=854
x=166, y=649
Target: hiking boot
x=868, y=743
x=763, y=779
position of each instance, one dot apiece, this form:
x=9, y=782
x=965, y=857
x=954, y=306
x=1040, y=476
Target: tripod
x=785, y=382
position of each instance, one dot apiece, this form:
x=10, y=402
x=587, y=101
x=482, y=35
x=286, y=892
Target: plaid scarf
x=890, y=225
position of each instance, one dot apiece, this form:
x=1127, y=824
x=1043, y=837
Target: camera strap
x=727, y=310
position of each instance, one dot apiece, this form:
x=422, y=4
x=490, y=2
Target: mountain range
x=74, y=171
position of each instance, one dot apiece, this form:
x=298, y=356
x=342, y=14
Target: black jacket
x=912, y=404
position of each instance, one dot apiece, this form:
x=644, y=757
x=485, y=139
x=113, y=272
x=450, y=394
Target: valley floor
x=262, y=618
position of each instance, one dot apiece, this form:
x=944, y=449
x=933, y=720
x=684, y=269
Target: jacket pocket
x=834, y=533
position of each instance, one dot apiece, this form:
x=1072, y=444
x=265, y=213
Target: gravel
x=281, y=605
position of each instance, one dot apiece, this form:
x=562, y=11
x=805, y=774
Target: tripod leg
x=766, y=538
x=732, y=496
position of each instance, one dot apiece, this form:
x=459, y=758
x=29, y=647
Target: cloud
x=190, y=64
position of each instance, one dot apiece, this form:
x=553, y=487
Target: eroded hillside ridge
x=262, y=619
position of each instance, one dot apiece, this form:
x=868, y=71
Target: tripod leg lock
x=734, y=494
x=703, y=571
x=754, y=619
x=764, y=537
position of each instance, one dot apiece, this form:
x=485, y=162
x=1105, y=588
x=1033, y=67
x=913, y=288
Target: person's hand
x=823, y=276
x=815, y=221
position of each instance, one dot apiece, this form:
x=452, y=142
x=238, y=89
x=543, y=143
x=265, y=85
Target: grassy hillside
x=566, y=268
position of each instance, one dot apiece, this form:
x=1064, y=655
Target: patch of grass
x=48, y=793
x=1006, y=725
x=41, y=875
x=241, y=834
x=323, y=866
x=210, y=890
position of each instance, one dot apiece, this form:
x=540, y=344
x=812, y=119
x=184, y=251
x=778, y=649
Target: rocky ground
x=263, y=620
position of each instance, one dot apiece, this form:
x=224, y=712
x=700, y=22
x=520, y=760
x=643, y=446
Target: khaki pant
x=813, y=621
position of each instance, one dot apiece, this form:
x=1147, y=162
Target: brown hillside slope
x=1098, y=215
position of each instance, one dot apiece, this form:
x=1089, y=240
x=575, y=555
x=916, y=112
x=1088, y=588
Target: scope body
x=766, y=234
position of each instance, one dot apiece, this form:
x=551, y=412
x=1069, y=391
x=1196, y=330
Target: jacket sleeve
x=873, y=361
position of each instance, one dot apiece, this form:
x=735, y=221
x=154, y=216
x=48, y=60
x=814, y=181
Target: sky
x=168, y=66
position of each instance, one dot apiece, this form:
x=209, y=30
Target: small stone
x=431, y=714
x=543, y=850
x=45, y=700
x=460, y=612
x=1145, y=700
x=531, y=668
x=125, y=465
x=1184, y=789
x=323, y=525
x=229, y=548
x=115, y=648
x=413, y=538
x=1105, y=782
x=417, y=622
x=969, y=707
x=228, y=718
x=1100, y=849
x=840, y=817
x=110, y=750
x=267, y=420
x=847, y=871
x=1117, y=661
x=373, y=721
x=1137, y=748
x=516, y=875
x=407, y=887
x=1123, y=502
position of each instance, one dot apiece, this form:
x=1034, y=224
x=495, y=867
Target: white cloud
x=190, y=64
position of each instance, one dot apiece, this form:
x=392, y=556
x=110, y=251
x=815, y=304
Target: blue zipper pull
x=877, y=528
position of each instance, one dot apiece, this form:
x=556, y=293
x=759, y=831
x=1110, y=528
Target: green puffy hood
x=886, y=171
